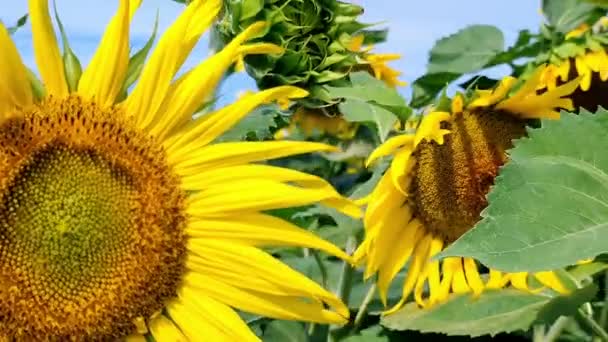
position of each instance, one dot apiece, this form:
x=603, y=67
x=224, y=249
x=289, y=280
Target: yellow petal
x=356, y=42
x=401, y=170
x=280, y=307
x=457, y=104
x=216, y=314
x=399, y=254
x=459, y=283
x=250, y=260
x=497, y=280
x=433, y=270
x=384, y=198
x=430, y=128
x=15, y=89
x=390, y=146
x=263, y=194
x=259, y=230
x=46, y=50
x=563, y=70
x=172, y=49
x=194, y=89
x=192, y=324
x=235, y=153
x=204, y=130
x=488, y=98
x=531, y=105
x=552, y=281
x=104, y=76
x=519, y=280
x=162, y=329
x=414, y=273
x=448, y=268
x=583, y=70
x=391, y=228
x=473, y=278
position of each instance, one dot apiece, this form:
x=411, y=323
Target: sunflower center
x=91, y=225
x=451, y=180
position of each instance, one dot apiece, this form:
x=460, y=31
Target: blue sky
x=414, y=27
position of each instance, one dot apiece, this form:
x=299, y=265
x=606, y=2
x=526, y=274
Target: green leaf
x=345, y=227
x=256, y=125
x=20, y=22
x=136, y=62
x=468, y=50
x=585, y=271
x=491, y=313
x=368, y=186
x=367, y=88
x=549, y=207
x=372, y=334
x=566, y=305
x=566, y=15
x=359, y=111
x=426, y=88
x=284, y=331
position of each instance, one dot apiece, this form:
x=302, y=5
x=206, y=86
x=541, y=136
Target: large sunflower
x=436, y=186
x=121, y=220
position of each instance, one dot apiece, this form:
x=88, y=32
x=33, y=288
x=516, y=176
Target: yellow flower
x=124, y=220
x=435, y=189
x=312, y=122
x=592, y=69
x=377, y=62
x=590, y=64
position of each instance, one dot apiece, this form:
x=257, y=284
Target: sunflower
x=315, y=122
x=436, y=186
x=121, y=220
x=588, y=61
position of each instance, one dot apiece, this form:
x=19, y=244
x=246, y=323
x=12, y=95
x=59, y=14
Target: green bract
x=316, y=35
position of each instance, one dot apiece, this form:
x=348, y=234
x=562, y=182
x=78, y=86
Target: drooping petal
x=234, y=153
x=420, y=257
x=552, y=281
x=398, y=256
x=263, y=194
x=259, y=230
x=472, y=274
x=252, y=262
x=389, y=147
x=46, y=50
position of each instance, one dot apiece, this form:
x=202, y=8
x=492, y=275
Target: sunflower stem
x=538, y=333
x=604, y=313
x=346, y=274
x=556, y=329
x=596, y=328
x=344, y=285
x=322, y=267
x=361, y=313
